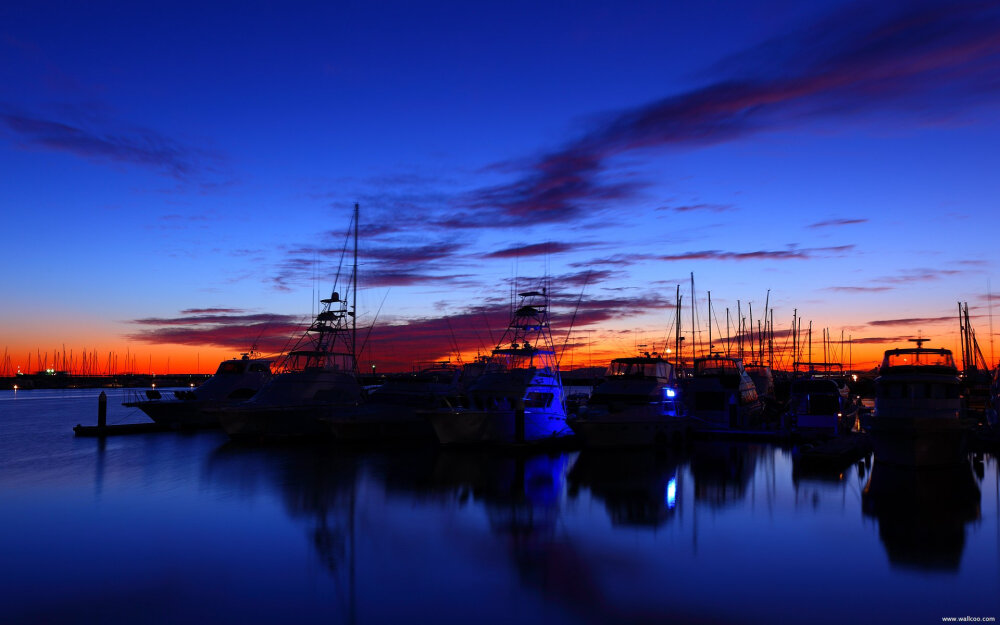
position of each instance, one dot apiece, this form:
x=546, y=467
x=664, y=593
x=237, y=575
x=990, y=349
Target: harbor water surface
x=167, y=528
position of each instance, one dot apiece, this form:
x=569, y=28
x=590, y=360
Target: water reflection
x=639, y=487
x=722, y=471
x=922, y=513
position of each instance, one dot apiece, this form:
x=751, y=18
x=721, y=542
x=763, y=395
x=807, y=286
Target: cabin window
x=538, y=400
x=231, y=367
x=260, y=368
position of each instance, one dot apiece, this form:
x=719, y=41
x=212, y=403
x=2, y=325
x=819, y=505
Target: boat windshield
x=231, y=367
x=637, y=369
x=716, y=366
x=918, y=358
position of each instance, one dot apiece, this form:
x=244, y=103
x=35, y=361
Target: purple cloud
x=917, y=56
x=911, y=321
x=537, y=249
x=138, y=147
x=837, y=222
x=789, y=254
x=858, y=289
x=703, y=207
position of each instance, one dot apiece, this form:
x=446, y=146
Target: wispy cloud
x=537, y=249
x=213, y=311
x=837, y=222
x=789, y=254
x=703, y=207
x=858, y=289
x=142, y=147
x=912, y=321
x=918, y=275
x=881, y=340
x=220, y=327
x=915, y=57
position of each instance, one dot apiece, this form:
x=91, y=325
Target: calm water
x=170, y=528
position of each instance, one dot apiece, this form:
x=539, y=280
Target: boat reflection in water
x=639, y=487
x=922, y=513
x=722, y=471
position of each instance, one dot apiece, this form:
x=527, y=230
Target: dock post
x=102, y=411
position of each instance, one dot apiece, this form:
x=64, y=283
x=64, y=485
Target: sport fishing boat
x=637, y=403
x=319, y=376
x=918, y=408
x=236, y=380
x=519, y=396
x=721, y=396
x=393, y=410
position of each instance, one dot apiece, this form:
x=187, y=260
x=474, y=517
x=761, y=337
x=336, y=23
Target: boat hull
x=180, y=414
x=276, y=422
x=456, y=427
x=380, y=423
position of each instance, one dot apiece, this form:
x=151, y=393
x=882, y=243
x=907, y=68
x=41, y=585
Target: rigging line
x=454, y=341
x=371, y=327
x=572, y=322
x=489, y=329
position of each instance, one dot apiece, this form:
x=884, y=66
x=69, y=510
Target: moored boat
x=918, y=408
x=637, y=403
x=236, y=380
x=721, y=396
x=393, y=410
x=816, y=406
x=519, y=396
x=319, y=377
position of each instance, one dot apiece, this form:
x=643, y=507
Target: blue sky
x=178, y=178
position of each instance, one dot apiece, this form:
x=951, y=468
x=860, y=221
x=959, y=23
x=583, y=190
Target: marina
x=386, y=312
x=187, y=524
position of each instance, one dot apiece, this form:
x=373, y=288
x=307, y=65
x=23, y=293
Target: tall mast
x=354, y=295
x=677, y=331
x=694, y=328
x=710, y=346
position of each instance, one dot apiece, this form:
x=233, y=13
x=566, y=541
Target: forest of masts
x=87, y=362
x=753, y=339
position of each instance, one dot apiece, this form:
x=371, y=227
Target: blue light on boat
x=672, y=492
x=671, y=392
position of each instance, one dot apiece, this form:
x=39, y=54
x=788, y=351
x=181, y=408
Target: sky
x=177, y=180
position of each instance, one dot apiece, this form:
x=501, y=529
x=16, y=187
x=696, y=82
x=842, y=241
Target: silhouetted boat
x=320, y=377
x=394, y=410
x=519, y=396
x=235, y=380
x=637, y=403
x=816, y=405
x=721, y=396
x=918, y=408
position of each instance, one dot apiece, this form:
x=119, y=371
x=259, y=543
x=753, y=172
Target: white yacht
x=236, y=380
x=918, y=407
x=637, y=403
x=519, y=396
